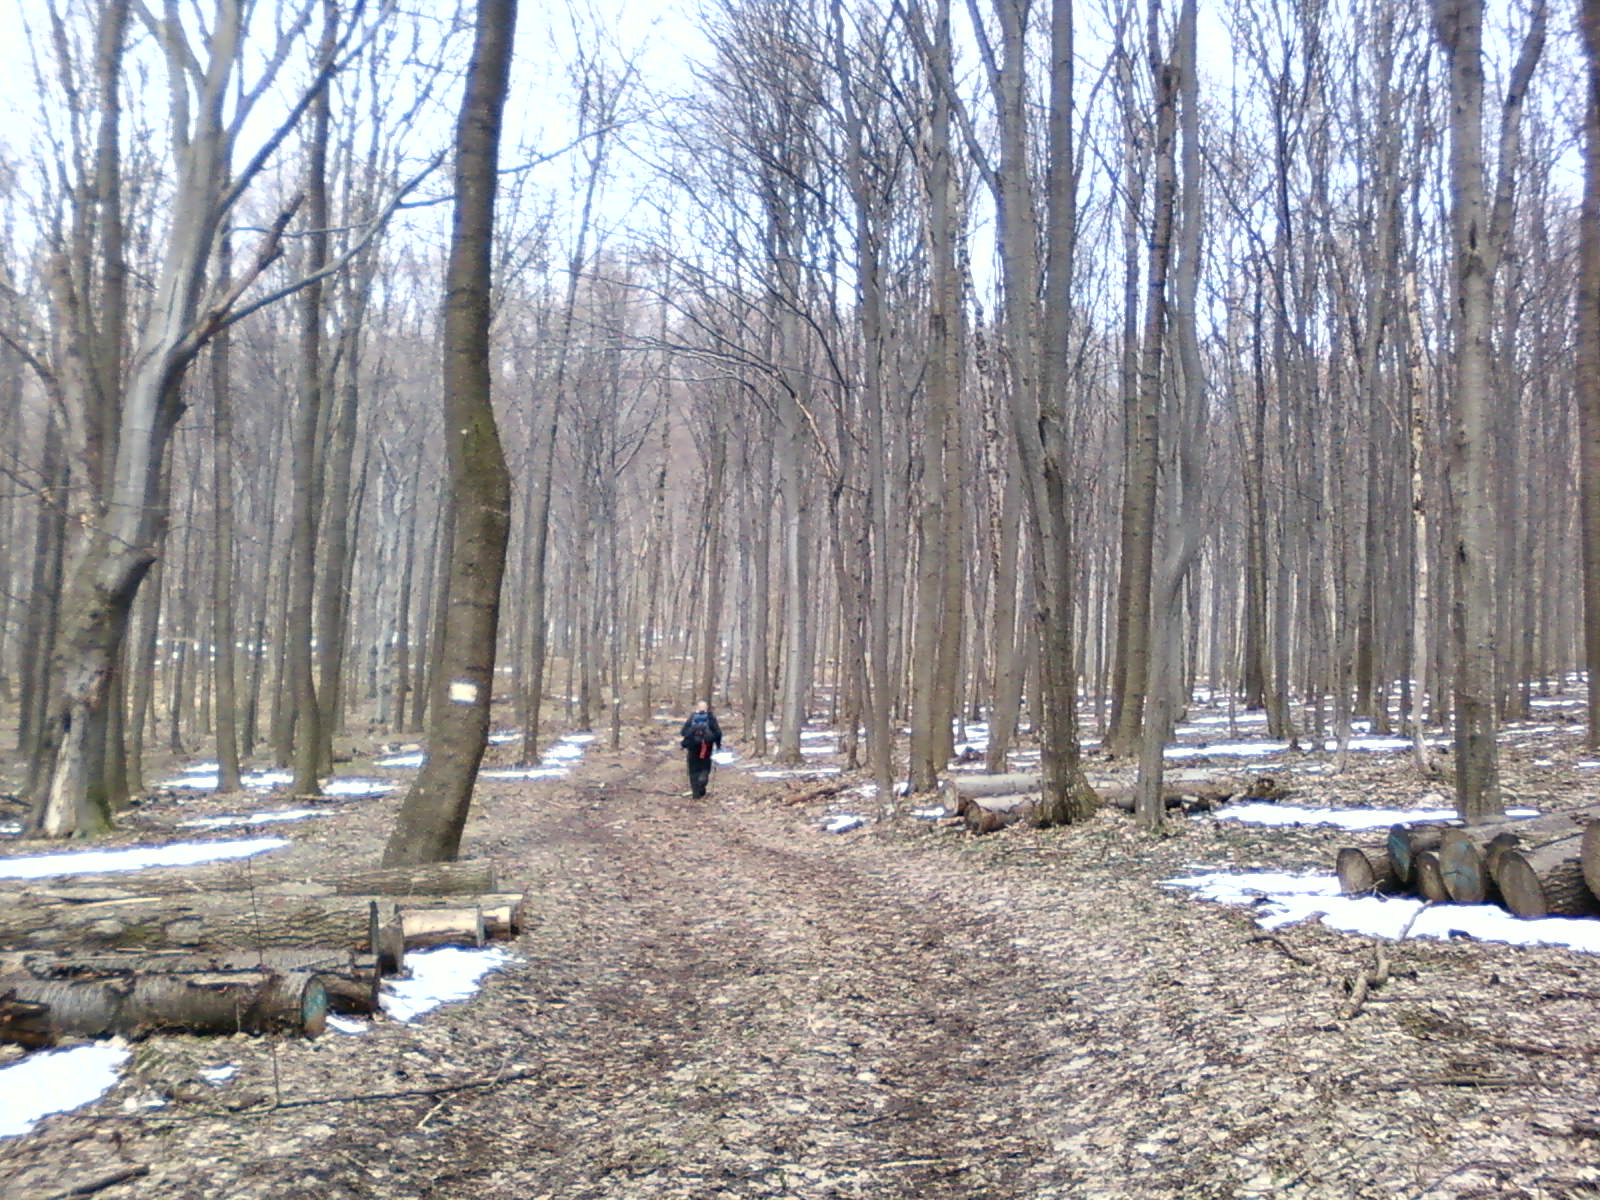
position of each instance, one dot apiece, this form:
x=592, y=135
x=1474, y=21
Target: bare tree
x=1480, y=224
x=434, y=811
x=1588, y=373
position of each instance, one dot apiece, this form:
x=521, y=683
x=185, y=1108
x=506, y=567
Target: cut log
x=985, y=814
x=431, y=879
x=992, y=785
x=1466, y=853
x=37, y=1012
x=1405, y=842
x=1430, y=876
x=424, y=928
x=502, y=911
x=351, y=979
x=1365, y=873
x=1589, y=856
x=216, y=921
x=1181, y=781
x=1546, y=881
x=1461, y=867
x=1122, y=797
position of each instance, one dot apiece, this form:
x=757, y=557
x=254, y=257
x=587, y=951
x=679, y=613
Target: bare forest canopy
x=1033, y=360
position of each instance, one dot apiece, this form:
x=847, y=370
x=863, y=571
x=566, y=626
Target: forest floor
x=718, y=999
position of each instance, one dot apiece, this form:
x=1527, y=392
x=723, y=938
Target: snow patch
x=260, y=818
x=437, y=977
x=55, y=1081
x=135, y=858
x=1256, y=813
x=1283, y=899
x=843, y=823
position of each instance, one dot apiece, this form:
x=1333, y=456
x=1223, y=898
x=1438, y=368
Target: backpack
x=699, y=735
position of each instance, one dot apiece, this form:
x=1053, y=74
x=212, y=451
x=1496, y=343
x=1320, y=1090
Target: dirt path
x=715, y=999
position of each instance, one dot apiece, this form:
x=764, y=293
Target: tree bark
x=434, y=812
x=1586, y=378
x=1479, y=231
x=39, y=1012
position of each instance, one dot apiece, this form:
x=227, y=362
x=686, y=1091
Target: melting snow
x=204, y=777
x=1283, y=899
x=260, y=818
x=843, y=823
x=135, y=858
x=55, y=1081
x=438, y=976
x=1344, y=818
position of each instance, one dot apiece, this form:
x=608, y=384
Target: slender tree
x=434, y=812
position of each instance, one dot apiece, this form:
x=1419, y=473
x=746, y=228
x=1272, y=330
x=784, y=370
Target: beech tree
x=434, y=811
x=1480, y=224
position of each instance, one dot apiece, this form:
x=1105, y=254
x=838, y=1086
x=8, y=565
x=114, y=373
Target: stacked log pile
x=1536, y=867
x=990, y=802
x=219, y=957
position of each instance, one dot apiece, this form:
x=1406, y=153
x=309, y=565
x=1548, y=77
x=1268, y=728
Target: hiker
x=701, y=737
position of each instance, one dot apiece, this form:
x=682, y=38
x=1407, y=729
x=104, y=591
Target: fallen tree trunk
x=351, y=979
x=39, y=1012
x=1177, y=786
x=1365, y=873
x=985, y=814
x=1545, y=881
x=469, y=878
x=166, y=922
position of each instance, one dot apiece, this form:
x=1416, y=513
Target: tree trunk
x=222, y=565
x=1586, y=378
x=307, y=721
x=1479, y=235
x=435, y=810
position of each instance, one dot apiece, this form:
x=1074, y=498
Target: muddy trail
x=715, y=998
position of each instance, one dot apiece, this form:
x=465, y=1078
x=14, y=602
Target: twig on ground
x=99, y=1183
x=1275, y=940
x=1374, y=977
x=1481, y=1164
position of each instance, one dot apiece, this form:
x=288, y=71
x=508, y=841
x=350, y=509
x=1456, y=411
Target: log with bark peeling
x=39, y=1012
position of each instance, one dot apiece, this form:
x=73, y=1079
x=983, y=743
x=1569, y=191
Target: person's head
x=702, y=706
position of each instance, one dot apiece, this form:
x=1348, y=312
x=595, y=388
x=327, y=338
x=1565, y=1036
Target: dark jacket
x=716, y=732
